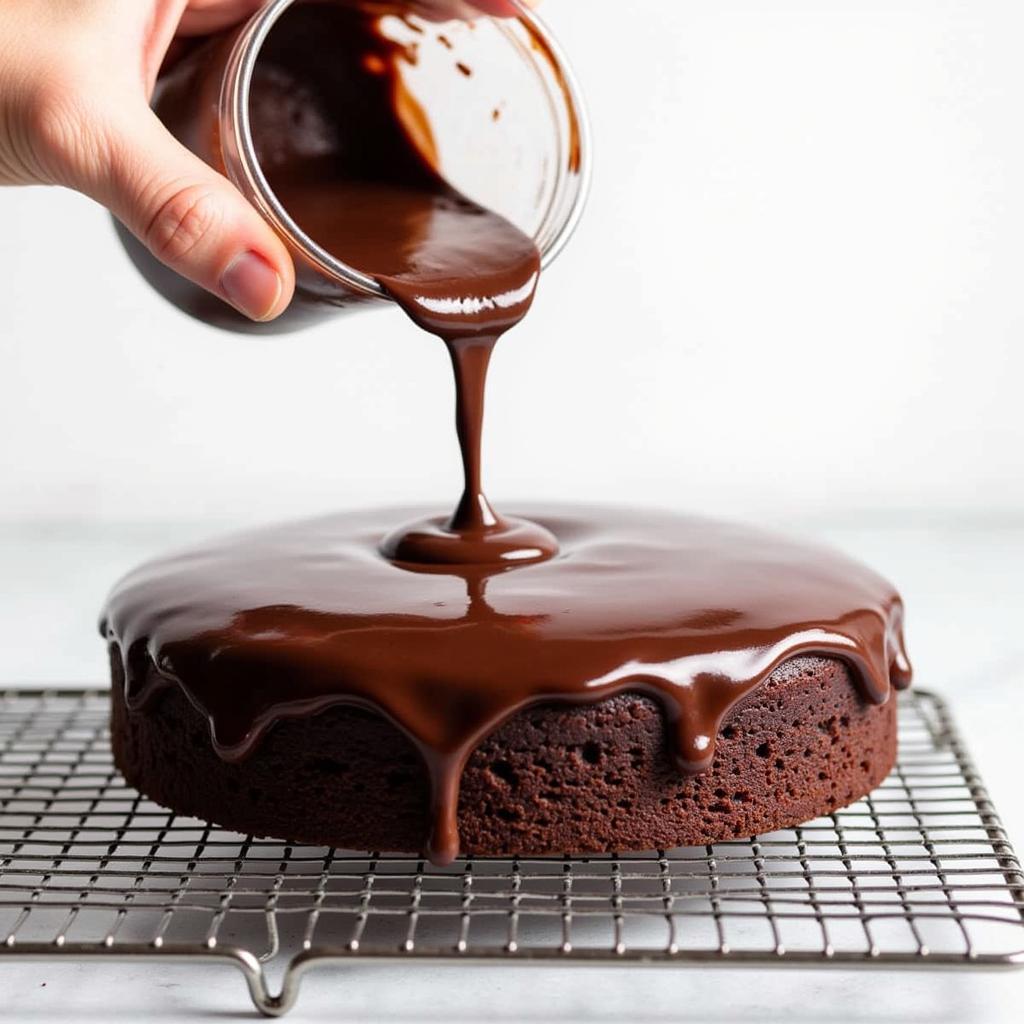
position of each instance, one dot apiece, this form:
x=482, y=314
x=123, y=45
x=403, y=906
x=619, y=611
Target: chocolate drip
x=363, y=184
x=470, y=362
x=450, y=625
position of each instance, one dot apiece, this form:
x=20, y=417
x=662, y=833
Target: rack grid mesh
x=919, y=873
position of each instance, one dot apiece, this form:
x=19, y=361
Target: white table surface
x=964, y=587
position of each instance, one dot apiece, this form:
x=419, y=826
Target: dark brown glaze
x=449, y=626
x=365, y=188
x=466, y=275
x=288, y=621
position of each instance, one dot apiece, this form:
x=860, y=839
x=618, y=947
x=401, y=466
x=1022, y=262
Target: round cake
x=552, y=780
x=663, y=681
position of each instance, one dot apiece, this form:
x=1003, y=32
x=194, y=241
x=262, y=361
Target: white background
x=807, y=229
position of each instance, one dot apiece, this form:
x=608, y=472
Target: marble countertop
x=964, y=587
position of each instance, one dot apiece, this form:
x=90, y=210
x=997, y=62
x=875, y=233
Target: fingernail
x=252, y=285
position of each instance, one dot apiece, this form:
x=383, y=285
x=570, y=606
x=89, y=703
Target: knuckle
x=181, y=223
x=55, y=129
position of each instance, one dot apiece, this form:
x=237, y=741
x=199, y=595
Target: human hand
x=75, y=84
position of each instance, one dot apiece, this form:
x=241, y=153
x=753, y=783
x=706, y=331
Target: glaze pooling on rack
x=287, y=621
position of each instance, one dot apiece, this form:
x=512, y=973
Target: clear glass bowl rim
x=245, y=172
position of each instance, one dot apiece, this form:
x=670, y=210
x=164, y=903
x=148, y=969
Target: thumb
x=193, y=219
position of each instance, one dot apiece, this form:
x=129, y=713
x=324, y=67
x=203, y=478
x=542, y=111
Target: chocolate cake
x=563, y=680
x=551, y=780
x=650, y=683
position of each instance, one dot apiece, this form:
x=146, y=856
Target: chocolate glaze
x=450, y=625
x=364, y=186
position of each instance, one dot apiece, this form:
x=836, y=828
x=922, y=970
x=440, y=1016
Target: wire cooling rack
x=919, y=873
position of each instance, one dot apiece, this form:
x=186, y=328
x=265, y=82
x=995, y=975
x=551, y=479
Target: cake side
x=552, y=779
